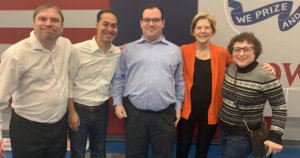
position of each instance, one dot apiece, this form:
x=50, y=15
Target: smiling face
x=151, y=26
x=48, y=25
x=243, y=53
x=203, y=31
x=107, y=28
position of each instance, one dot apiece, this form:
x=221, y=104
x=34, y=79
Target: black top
x=201, y=89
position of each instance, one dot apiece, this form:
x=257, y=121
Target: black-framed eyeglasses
x=154, y=20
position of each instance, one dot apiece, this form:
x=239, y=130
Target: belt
x=87, y=108
x=126, y=99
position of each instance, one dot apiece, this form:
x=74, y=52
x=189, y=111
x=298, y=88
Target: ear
x=141, y=21
x=163, y=23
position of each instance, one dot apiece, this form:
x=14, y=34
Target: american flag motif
x=17, y=21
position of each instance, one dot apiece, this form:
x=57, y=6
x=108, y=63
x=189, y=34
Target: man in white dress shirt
x=90, y=87
x=34, y=72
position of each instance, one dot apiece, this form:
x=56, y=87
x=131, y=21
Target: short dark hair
x=48, y=6
x=248, y=37
x=106, y=11
x=152, y=6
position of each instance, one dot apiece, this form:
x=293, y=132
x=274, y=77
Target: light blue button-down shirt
x=150, y=75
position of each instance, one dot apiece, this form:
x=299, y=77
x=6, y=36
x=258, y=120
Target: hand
x=73, y=121
x=2, y=148
x=178, y=115
x=273, y=147
x=122, y=46
x=120, y=111
x=268, y=67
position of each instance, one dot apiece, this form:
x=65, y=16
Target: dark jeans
x=31, y=139
x=94, y=125
x=233, y=146
x=185, y=135
x=147, y=127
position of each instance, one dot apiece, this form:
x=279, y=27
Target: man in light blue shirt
x=148, y=89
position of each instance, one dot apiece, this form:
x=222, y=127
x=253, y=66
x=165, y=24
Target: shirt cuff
x=1, y=115
x=274, y=137
x=70, y=95
x=178, y=105
x=117, y=100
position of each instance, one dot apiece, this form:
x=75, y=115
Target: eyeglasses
x=245, y=49
x=154, y=20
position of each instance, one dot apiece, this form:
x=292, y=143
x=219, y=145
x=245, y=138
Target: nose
x=151, y=22
x=48, y=22
x=110, y=29
x=202, y=29
x=242, y=52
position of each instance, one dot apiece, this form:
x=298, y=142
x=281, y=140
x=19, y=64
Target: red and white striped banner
x=17, y=21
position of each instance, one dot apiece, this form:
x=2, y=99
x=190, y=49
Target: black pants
x=147, y=127
x=37, y=140
x=185, y=136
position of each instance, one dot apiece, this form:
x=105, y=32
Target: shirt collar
x=36, y=44
x=95, y=47
x=162, y=40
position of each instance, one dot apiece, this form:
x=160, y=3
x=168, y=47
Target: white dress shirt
x=36, y=78
x=92, y=72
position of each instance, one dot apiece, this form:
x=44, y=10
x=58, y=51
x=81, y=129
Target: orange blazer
x=220, y=59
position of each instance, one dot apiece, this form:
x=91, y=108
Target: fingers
x=73, y=121
x=178, y=115
x=273, y=147
x=74, y=126
x=270, y=68
x=2, y=148
x=2, y=155
x=120, y=111
x=269, y=152
x=122, y=46
x=176, y=122
x=124, y=114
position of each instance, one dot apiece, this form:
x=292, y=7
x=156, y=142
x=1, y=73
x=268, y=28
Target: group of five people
x=155, y=86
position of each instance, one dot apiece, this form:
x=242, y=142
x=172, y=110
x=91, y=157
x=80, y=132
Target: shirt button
x=152, y=70
x=150, y=93
x=150, y=81
x=149, y=104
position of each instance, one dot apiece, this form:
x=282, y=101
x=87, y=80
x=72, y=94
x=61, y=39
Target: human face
x=243, y=53
x=48, y=25
x=203, y=31
x=107, y=28
x=152, y=29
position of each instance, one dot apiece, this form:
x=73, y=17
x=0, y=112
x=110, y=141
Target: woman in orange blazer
x=204, y=71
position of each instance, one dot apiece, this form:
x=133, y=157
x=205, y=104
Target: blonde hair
x=209, y=17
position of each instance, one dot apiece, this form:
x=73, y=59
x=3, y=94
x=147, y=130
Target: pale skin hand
x=178, y=115
x=273, y=147
x=268, y=67
x=73, y=118
x=2, y=148
x=122, y=46
x=120, y=111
